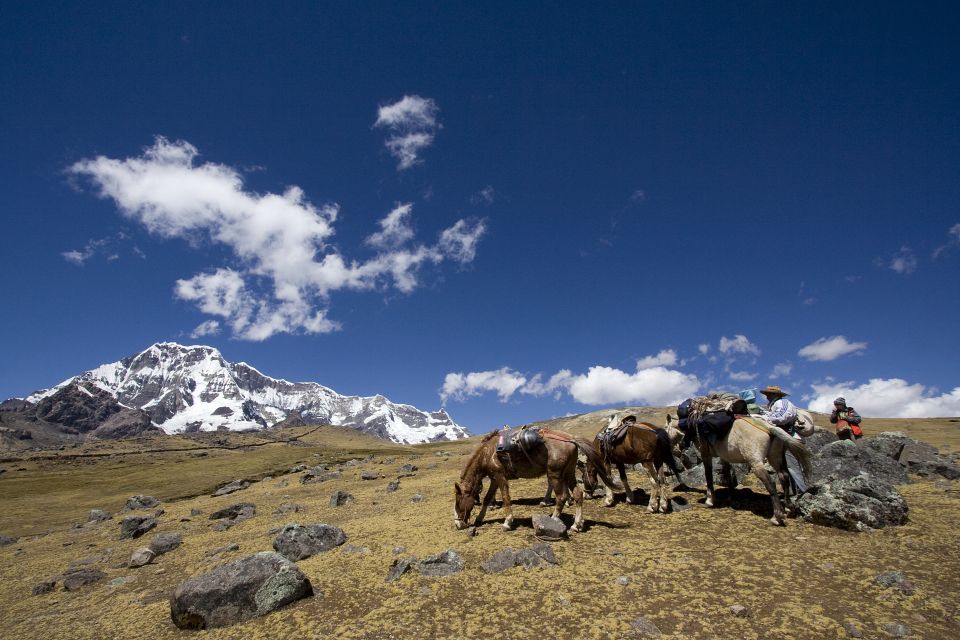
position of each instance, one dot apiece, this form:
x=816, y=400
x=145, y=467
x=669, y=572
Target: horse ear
x=669, y=418
x=456, y=487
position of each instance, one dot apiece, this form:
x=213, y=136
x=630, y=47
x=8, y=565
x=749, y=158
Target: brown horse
x=642, y=443
x=556, y=457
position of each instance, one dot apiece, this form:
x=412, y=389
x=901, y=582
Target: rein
x=754, y=423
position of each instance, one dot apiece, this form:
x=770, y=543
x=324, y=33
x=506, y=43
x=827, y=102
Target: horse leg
x=610, y=497
x=578, y=501
x=726, y=475
x=560, y=492
x=507, y=506
x=546, y=497
x=760, y=471
x=628, y=492
x=487, y=499
x=708, y=475
x=654, y=504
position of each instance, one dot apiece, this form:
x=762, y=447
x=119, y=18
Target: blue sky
x=518, y=211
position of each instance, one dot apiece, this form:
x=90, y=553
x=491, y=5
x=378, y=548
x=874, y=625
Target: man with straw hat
x=782, y=413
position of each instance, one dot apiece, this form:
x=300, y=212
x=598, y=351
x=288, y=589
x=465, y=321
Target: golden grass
x=685, y=569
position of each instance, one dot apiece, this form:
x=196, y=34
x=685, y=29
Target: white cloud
x=704, y=349
x=781, y=370
x=503, y=381
x=655, y=386
x=207, y=328
x=287, y=268
x=827, y=349
x=79, y=257
x=666, y=358
x=638, y=195
x=485, y=196
x=888, y=398
x=395, y=229
x=953, y=240
x=738, y=344
x=412, y=122
x=741, y=376
x=558, y=381
x=903, y=261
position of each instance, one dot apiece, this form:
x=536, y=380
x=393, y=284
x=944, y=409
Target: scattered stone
x=399, y=567
x=297, y=541
x=398, y=550
x=643, y=627
x=136, y=526
x=140, y=557
x=854, y=504
x=298, y=468
x=158, y=513
x=416, y=498
x=500, y=561
x=740, y=611
x=623, y=581
x=393, y=486
x=441, y=564
x=223, y=549
x=235, y=512
x=286, y=508
x=369, y=475
x=896, y=630
x=140, y=502
x=938, y=467
x=5, y=540
x=232, y=487
x=238, y=591
x=679, y=504
x=895, y=580
x=315, y=475
x=196, y=512
x=352, y=548
x=98, y=515
x=545, y=526
x=852, y=630
x=340, y=498
x=119, y=582
x=44, y=587
x=73, y=579
x=408, y=468
x=165, y=543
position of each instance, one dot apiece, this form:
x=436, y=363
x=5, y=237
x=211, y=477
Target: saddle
x=524, y=441
x=611, y=436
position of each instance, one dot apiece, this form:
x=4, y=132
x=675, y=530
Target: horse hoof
x=544, y=503
x=576, y=529
x=608, y=503
x=652, y=509
x=709, y=502
x=777, y=522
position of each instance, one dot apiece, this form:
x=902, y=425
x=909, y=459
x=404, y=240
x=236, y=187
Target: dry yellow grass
x=685, y=569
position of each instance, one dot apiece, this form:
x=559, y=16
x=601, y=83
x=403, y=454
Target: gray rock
x=5, y=540
x=916, y=452
x=538, y=555
x=313, y=476
x=196, y=512
x=500, y=561
x=888, y=447
x=165, y=543
x=140, y=557
x=298, y=468
x=695, y=476
x=623, y=581
x=846, y=459
x=853, y=503
x=220, y=550
x=939, y=467
x=136, y=526
x=393, y=486
x=236, y=485
x=740, y=611
x=399, y=567
x=352, y=548
x=896, y=630
x=852, y=630
x=44, y=587
x=235, y=512
x=340, y=498
x=679, y=504
x=73, y=579
x=409, y=468
x=820, y=438
x=297, y=541
x=98, y=515
x=894, y=580
x=140, y=502
x=545, y=526
x=643, y=627
x=238, y=591
x=417, y=498
x=284, y=509
x=441, y=564
x=369, y=475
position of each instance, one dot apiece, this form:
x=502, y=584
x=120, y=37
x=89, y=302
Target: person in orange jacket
x=846, y=419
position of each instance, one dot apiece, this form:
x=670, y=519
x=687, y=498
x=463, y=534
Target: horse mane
x=472, y=461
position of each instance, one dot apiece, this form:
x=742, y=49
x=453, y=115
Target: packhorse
x=625, y=441
x=554, y=456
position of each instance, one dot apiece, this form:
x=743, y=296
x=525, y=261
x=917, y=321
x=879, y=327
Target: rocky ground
x=397, y=569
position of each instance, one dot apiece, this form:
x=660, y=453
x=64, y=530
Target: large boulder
x=236, y=485
x=846, y=459
x=237, y=591
x=136, y=526
x=820, y=438
x=917, y=452
x=854, y=503
x=235, y=512
x=299, y=541
x=938, y=467
x=165, y=543
x=696, y=476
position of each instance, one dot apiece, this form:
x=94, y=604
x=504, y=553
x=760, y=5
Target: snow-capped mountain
x=192, y=388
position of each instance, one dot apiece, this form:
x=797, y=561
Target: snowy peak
x=191, y=388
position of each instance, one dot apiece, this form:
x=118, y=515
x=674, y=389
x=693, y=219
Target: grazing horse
x=641, y=442
x=754, y=442
x=556, y=458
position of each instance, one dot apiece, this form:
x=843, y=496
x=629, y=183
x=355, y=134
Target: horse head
x=464, y=500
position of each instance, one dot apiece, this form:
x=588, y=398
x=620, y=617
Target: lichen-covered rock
x=232, y=487
x=140, y=502
x=441, y=564
x=165, y=543
x=340, y=498
x=846, y=459
x=298, y=541
x=140, y=557
x=73, y=579
x=237, y=591
x=136, y=526
x=546, y=526
x=235, y=513
x=98, y=515
x=855, y=504
x=939, y=467
x=820, y=438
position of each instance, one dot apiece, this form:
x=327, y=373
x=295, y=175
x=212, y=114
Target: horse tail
x=796, y=447
x=593, y=458
x=665, y=447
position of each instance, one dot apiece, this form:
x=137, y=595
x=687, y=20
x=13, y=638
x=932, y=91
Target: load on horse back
x=625, y=441
x=530, y=452
x=747, y=439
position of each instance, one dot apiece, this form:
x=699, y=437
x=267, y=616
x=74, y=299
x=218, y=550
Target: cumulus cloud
x=207, y=328
x=485, y=196
x=781, y=370
x=281, y=241
x=903, y=261
x=704, y=349
x=738, y=344
x=504, y=382
x=888, y=398
x=666, y=358
x=741, y=376
x=412, y=123
x=827, y=349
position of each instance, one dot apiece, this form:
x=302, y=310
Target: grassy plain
x=683, y=569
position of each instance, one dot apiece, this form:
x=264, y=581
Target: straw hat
x=774, y=390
